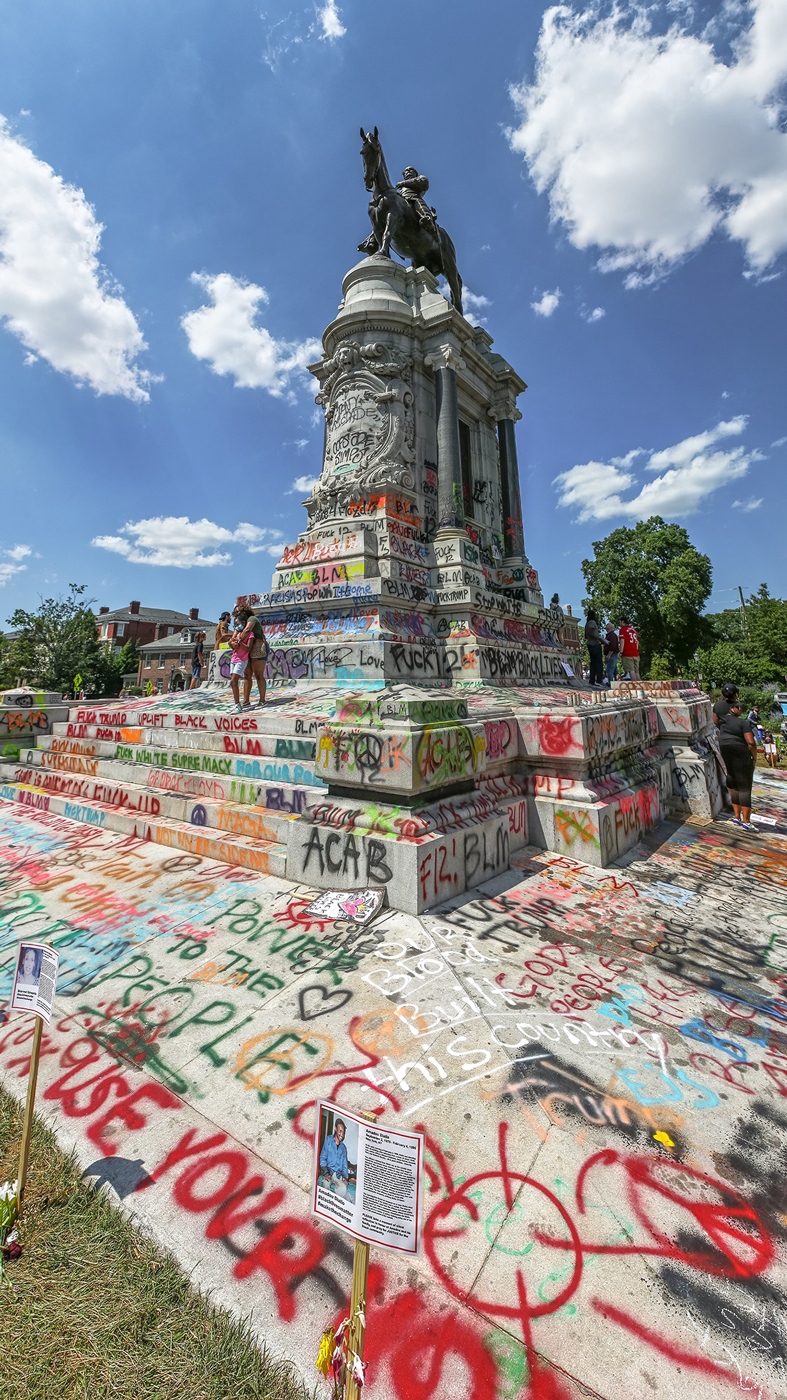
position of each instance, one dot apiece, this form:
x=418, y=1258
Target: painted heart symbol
x=328, y=1001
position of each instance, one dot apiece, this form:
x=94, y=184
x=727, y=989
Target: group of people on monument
x=612, y=656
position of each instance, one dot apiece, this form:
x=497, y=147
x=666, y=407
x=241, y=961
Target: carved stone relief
x=369, y=417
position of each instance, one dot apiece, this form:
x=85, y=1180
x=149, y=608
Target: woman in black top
x=197, y=660
x=739, y=751
x=729, y=696
x=595, y=650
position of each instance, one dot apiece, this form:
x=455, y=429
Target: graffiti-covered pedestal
x=412, y=567
x=24, y=715
x=424, y=718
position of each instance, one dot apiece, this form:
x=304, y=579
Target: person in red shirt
x=629, y=649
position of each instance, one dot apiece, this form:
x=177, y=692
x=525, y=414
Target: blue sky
x=181, y=194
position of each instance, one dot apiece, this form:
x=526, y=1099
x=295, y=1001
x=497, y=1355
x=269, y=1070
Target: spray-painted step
x=132, y=797
x=164, y=741
x=280, y=746
x=274, y=718
x=265, y=857
x=249, y=774
x=121, y=785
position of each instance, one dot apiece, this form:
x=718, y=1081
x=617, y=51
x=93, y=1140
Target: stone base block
x=598, y=833
x=418, y=874
x=695, y=784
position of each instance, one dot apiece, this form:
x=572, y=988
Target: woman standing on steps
x=739, y=751
x=595, y=649
x=253, y=636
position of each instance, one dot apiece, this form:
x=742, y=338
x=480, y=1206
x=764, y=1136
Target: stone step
x=270, y=745
x=172, y=765
x=211, y=715
x=107, y=792
x=256, y=743
x=265, y=857
x=159, y=792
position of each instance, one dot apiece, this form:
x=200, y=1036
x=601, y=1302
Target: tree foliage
x=749, y=645
x=58, y=642
x=651, y=574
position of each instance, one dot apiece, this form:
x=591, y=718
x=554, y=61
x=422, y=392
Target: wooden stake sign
x=357, y=1329
x=368, y=1181
x=35, y=981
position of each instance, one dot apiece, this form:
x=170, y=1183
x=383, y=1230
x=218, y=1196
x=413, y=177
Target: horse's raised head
x=370, y=154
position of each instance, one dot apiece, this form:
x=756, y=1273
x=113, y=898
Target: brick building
x=166, y=663
x=143, y=625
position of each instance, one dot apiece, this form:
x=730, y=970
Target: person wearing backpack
x=611, y=650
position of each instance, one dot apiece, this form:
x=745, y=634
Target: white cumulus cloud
x=18, y=552
x=753, y=503
x=226, y=335
x=55, y=296
x=595, y=315
x=548, y=303
x=15, y=555
x=303, y=485
x=648, y=143
x=474, y=304
x=686, y=474
x=328, y=15
x=175, y=541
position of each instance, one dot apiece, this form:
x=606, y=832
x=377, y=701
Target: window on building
x=160, y=658
x=466, y=461
x=120, y=630
x=105, y=631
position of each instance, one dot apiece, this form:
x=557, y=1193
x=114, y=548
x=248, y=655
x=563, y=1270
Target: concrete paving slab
x=598, y=1059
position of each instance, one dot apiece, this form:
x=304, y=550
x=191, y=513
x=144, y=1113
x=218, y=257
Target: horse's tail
x=449, y=268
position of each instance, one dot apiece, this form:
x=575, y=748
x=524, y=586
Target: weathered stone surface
x=598, y=1059
x=579, y=772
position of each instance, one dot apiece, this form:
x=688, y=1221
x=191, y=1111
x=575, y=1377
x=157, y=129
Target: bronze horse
x=395, y=224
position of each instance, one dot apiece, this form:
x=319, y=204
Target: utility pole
x=743, y=608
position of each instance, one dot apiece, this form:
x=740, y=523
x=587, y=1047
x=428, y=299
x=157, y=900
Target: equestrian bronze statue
x=401, y=219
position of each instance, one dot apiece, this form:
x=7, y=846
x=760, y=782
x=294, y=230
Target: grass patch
x=98, y=1312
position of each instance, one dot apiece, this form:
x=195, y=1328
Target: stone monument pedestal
x=412, y=567
x=425, y=721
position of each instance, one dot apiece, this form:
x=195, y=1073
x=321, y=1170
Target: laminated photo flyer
x=35, y=980
x=368, y=1179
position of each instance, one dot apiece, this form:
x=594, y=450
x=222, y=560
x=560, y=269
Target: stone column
x=450, y=503
x=513, y=533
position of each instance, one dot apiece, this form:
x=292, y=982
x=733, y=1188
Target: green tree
x=117, y=663
x=730, y=661
x=765, y=625
x=652, y=574
x=60, y=641
x=7, y=662
x=750, y=644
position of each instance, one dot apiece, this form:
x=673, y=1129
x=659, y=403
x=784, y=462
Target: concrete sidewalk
x=598, y=1059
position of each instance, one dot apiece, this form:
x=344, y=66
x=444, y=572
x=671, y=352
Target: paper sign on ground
x=367, y=1179
x=356, y=906
x=35, y=980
